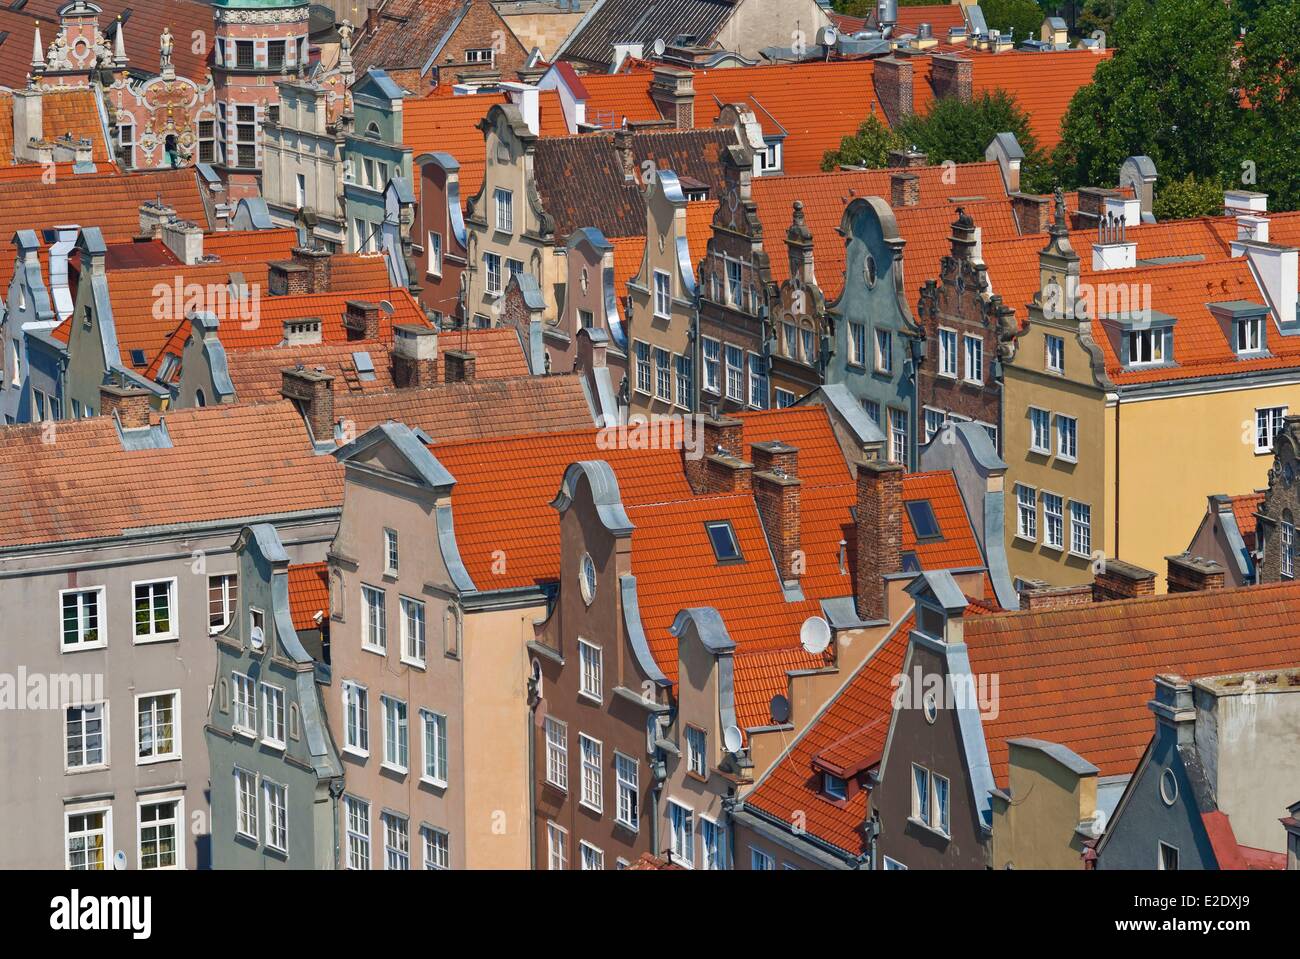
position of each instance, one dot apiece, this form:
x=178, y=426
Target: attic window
x=1149, y=347
x=1249, y=334
x=834, y=787
x=910, y=563
x=723, y=539
x=924, y=524
x=138, y=358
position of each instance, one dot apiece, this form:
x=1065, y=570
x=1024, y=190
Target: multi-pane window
x=396, y=743
x=479, y=55
x=272, y=715
x=87, y=839
x=1026, y=512
x=589, y=657
x=357, y=813
x=413, y=641
x=435, y=746
x=223, y=596
x=397, y=842
x=1250, y=335
x=733, y=282
x=974, y=355
x=1067, y=437
x=1287, y=559
x=557, y=846
x=626, y=774
x=696, y=757
x=784, y=398
x=505, y=209
x=1268, y=423
x=682, y=833
x=940, y=816
x=492, y=271
x=155, y=613
x=1055, y=350
x=930, y=799
x=244, y=54
x=437, y=848
x=760, y=861
x=246, y=803
x=82, y=618
x=126, y=143
x=84, y=739
x=156, y=734
x=644, y=380
x=1040, y=433
x=663, y=375
x=735, y=374
x=758, y=381
x=159, y=829
x=1166, y=857
x=872, y=409
x=277, y=816
x=1053, y=521
x=663, y=294
x=934, y=420
x=356, y=718
x=274, y=54
x=592, y=858
x=713, y=844
x=246, y=136
x=884, y=351
x=1149, y=346
x=898, y=435
x=390, y=552
x=810, y=352
x=947, y=353
x=557, y=753
x=374, y=619
x=207, y=141
x=712, y=364
x=790, y=340
x=1081, y=529
x=243, y=703
x=858, y=344
x=434, y=249
x=684, y=381
x=592, y=780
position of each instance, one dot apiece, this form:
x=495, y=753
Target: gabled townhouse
x=1228, y=535
x=276, y=775
x=984, y=768
x=1274, y=515
x=1108, y=350
x=594, y=296
x=374, y=156
x=1208, y=791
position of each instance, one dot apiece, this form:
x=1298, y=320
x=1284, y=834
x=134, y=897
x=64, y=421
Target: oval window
x=588, y=578
x=1168, y=787
x=869, y=270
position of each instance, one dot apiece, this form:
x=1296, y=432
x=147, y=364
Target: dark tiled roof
x=407, y=33
x=581, y=180
x=636, y=21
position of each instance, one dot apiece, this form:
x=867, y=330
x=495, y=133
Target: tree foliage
x=1021, y=18
x=869, y=147
x=1186, y=198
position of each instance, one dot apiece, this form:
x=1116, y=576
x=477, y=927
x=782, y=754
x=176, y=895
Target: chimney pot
x=414, y=356
x=312, y=391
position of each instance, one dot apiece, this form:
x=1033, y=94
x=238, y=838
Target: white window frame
x=392, y=558
x=101, y=619
x=734, y=358
x=357, y=812
x=397, y=740
x=712, y=364
x=1067, y=438
x=1040, y=418
x=592, y=671
x=899, y=438
x=1268, y=423
x=1026, y=513
x=1286, y=562
x=247, y=823
x=884, y=351
x=627, y=808
x=229, y=599
x=663, y=363
x=180, y=834
x=414, y=631
x=593, y=854
x=173, y=625
x=273, y=719
x=1056, y=542
x=697, y=759
x=433, y=253
x=682, y=841
x=557, y=847
x=492, y=273
x=356, y=698
x=277, y=816
x=1053, y=353
x=557, y=752
x=644, y=379
x=758, y=382
x=433, y=767
x=437, y=855
x=947, y=353
x=591, y=752
x=106, y=849
x=105, y=760
x=713, y=844
x=397, y=857
x=372, y=627
x=1080, y=529
x=1249, y=335
x=857, y=344
x=243, y=705
x=760, y=861
x=973, y=359
x=175, y=754
x=663, y=295
x=503, y=204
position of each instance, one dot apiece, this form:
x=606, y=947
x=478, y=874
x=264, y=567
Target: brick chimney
x=308, y=271
x=1032, y=212
x=361, y=320
x=372, y=18
x=1120, y=580
x=154, y=215
x=879, y=531
x=312, y=391
x=904, y=188
x=892, y=79
x=130, y=403
x=1037, y=595
x=458, y=366
x=908, y=159
x=415, y=356
x=673, y=93
x=775, y=481
x=952, y=76
x=724, y=439
x=1193, y=574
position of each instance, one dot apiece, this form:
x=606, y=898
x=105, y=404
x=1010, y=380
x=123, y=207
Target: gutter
x=822, y=852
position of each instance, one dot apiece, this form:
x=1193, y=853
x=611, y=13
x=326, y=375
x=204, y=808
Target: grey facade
x=276, y=775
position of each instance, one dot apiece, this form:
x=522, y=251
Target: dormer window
x=835, y=787
x=723, y=539
x=1249, y=334
x=1149, y=347
x=924, y=523
x=769, y=161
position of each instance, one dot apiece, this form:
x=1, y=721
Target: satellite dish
x=829, y=36
x=779, y=709
x=659, y=47
x=732, y=740
x=119, y=860
x=815, y=635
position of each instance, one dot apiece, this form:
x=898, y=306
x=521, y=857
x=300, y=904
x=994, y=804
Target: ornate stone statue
x=165, y=48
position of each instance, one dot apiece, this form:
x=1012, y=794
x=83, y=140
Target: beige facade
x=302, y=167
x=756, y=24
x=1039, y=823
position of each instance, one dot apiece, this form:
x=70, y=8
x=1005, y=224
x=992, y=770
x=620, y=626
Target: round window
x=931, y=708
x=1168, y=787
x=869, y=270
x=588, y=578
x=584, y=279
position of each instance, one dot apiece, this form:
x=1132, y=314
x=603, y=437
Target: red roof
x=73, y=110
x=1243, y=510
x=1230, y=854
x=309, y=594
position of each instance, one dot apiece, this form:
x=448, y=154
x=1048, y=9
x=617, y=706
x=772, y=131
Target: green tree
x=1168, y=93
x=960, y=132
x=1021, y=18
x=1270, y=80
x=868, y=147
x=1186, y=198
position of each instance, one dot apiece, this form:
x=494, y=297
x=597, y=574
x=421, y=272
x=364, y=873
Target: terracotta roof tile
x=443, y=124
x=406, y=33
x=73, y=110
x=309, y=594
x=1243, y=510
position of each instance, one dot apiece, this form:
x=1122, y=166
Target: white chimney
x=527, y=99
x=1251, y=227
x=624, y=50
x=1276, y=269
x=1244, y=201
x=1113, y=250
x=65, y=239
x=1126, y=209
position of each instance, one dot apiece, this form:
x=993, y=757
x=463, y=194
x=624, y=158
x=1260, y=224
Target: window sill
x=555, y=785
x=149, y=640
x=598, y=810
x=1085, y=556
x=928, y=828
x=355, y=752
x=432, y=276
x=377, y=650
x=590, y=697
x=1062, y=458
x=273, y=744
x=436, y=783
x=1054, y=549
x=244, y=732
x=78, y=770
x=390, y=767
x=419, y=664
x=154, y=760
x=1033, y=540
x=84, y=647
x=1037, y=452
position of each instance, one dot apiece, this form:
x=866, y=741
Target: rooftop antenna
x=815, y=635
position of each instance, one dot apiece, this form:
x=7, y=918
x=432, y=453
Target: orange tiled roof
x=1082, y=676
x=1243, y=511
x=274, y=244
x=851, y=729
x=309, y=594
x=225, y=462
x=62, y=111
x=442, y=124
